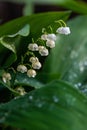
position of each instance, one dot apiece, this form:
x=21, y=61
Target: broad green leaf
x=22, y=32
x=24, y=80
x=36, y=22
x=69, y=58
x=37, y=82
x=8, y=46
x=7, y=52
x=55, y=106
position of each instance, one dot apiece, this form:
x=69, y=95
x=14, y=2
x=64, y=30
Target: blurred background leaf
x=68, y=60
x=55, y=106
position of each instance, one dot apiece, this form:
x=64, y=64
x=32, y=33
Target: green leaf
x=24, y=80
x=36, y=22
x=22, y=32
x=7, y=52
x=7, y=45
x=69, y=58
x=55, y=106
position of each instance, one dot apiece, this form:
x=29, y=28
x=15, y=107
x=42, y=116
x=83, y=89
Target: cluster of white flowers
x=50, y=40
x=35, y=65
x=47, y=41
x=23, y=69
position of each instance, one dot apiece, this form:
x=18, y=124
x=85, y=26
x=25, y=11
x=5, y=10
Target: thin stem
x=33, y=40
x=44, y=30
x=61, y=22
x=11, y=68
x=28, y=65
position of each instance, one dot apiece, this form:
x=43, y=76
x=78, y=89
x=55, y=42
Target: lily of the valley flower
x=31, y=73
x=22, y=68
x=33, y=59
x=63, y=30
x=20, y=90
x=51, y=37
x=33, y=47
x=43, y=51
x=36, y=65
x=6, y=77
x=44, y=37
x=50, y=43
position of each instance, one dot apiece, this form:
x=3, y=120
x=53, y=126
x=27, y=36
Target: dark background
x=10, y=10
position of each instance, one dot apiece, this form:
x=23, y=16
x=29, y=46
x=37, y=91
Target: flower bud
x=6, y=77
x=43, y=51
x=36, y=65
x=51, y=37
x=22, y=68
x=31, y=73
x=33, y=47
x=44, y=37
x=33, y=59
x=50, y=43
x=63, y=30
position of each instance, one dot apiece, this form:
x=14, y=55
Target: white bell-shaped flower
x=51, y=37
x=31, y=73
x=33, y=59
x=22, y=68
x=33, y=47
x=41, y=48
x=6, y=77
x=63, y=30
x=44, y=37
x=36, y=65
x=20, y=90
x=50, y=43
x=43, y=51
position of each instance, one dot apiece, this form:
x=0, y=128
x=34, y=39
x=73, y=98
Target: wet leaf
x=69, y=58
x=55, y=106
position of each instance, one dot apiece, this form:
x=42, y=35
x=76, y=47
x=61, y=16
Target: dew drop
x=85, y=63
x=40, y=105
x=78, y=85
x=55, y=99
x=73, y=55
x=30, y=97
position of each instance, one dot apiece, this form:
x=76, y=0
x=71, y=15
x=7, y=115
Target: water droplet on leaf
x=55, y=99
x=30, y=97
